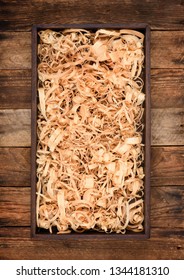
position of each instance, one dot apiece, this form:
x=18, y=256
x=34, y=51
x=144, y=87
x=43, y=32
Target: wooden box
x=40, y=233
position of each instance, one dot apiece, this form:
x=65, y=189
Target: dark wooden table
x=166, y=19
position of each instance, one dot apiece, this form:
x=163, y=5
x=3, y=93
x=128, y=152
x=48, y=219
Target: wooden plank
x=15, y=167
x=15, y=128
x=167, y=88
x=159, y=14
x=15, y=50
x=166, y=50
x=16, y=11
x=14, y=206
x=14, y=232
x=167, y=166
x=167, y=208
x=15, y=90
x=174, y=233
x=156, y=248
x=167, y=126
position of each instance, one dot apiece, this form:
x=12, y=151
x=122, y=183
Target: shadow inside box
x=45, y=233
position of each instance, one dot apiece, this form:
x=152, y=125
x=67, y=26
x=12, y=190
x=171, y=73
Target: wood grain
x=15, y=167
x=166, y=50
x=15, y=232
x=167, y=97
x=167, y=127
x=15, y=90
x=15, y=51
x=167, y=207
x=156, y=248
x=167, y=166
x=159, y=14
x=15, y=128
x=15, y=206
x=167, y=88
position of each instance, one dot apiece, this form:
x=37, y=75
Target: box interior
x=39, y=232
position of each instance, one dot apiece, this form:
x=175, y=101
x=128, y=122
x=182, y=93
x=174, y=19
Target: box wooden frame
x=40, y=234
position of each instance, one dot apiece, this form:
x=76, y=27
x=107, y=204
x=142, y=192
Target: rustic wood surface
x=167, y=153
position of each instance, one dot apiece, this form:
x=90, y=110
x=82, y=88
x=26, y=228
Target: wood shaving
x=90, y=153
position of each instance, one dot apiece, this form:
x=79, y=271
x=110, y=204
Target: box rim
x=147, y=137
